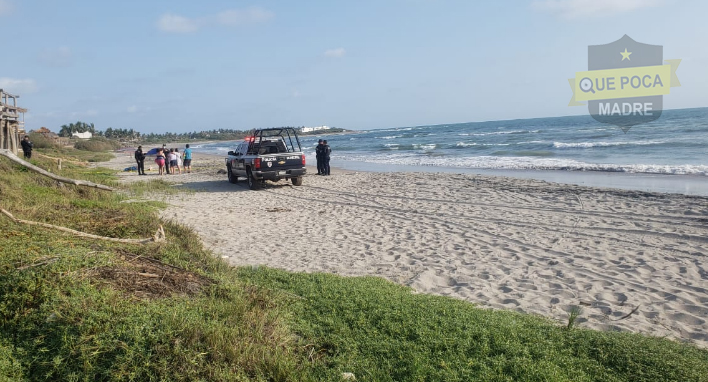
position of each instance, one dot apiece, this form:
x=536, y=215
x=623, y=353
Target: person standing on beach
x=160, y=161
x=178, y=161
x=318, y=156
x=169, y=160
x=27, y=147
x=140, y=158
x=326, y=152
x=187, y=159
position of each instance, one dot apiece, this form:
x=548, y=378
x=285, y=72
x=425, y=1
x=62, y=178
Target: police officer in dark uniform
x=318, y=156
x=27, y=147
x=326, y=152
x=140, y=158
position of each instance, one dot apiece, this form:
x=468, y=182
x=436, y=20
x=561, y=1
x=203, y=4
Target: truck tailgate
x=281, y=161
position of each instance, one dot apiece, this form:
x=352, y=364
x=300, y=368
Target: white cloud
x=5, y=7
x=571, y=9
x=177, y=24
x=132, y=109
x=339, y=52
x=60, y=56
x=231, y=17
x=18, y=86
x=243, y=16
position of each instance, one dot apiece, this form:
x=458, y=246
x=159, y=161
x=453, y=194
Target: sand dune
x=502, y=243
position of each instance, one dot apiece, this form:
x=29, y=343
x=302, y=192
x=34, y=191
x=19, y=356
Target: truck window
x=242, y=147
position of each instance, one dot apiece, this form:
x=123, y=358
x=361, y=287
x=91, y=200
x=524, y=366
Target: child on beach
x=160, y=161
x=178, y=161
x=171, y=161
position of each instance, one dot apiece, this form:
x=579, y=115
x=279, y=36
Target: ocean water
x=675, y=144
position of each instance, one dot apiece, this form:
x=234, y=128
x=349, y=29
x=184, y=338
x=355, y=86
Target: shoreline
x=499, y=242
x=680, y=184
x=684, y=184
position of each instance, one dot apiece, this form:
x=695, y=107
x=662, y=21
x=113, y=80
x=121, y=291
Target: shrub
x=10, y=367
x=96, y=144
x=41, y=141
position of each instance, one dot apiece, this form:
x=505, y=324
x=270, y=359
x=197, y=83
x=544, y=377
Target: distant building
x=311, y=129
x=85, y=135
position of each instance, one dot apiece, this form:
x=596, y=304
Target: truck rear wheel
x=253, y=183
x=232, y=178
x=297, y=180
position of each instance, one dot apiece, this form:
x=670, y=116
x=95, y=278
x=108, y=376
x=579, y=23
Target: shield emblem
x=625, y=53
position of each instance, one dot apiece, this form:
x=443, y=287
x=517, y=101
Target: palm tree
x=65, y=131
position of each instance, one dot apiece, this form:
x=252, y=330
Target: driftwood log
x=80, y=163
x=158, y=237
x=8, y=154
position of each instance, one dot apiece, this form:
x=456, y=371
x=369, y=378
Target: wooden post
x=13, y=138
x=6, y=133
x=2, y=125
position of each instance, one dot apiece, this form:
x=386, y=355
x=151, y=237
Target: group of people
x=168, y=161
x=322, y=153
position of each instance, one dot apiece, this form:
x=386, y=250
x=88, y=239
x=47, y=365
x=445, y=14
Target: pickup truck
x=267, y=154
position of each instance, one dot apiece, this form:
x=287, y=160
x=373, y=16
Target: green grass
x=71, y=153
x=60, y=321
x=75, y=309
x=382, y=332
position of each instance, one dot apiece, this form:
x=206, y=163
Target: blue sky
x=178, y=66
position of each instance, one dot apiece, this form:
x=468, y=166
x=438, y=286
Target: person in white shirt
x=178, y=161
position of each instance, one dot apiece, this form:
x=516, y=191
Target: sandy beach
x=498, y=242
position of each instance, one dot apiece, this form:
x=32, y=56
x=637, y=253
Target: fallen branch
x=151, y=275
x=628, y=314
x=158, y=237
x=80, y=163
x=8, y=154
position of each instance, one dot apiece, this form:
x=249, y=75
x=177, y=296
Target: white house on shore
x=311, y=129
x=85, y=135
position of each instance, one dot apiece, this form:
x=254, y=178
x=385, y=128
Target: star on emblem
x=625, y=54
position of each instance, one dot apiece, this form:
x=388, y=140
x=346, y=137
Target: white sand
x=503, y=243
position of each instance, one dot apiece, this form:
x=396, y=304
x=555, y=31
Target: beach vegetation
x=575, y=312
x=70, y=154
x=97, y=144
x=79, y=309
x=42, y=141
